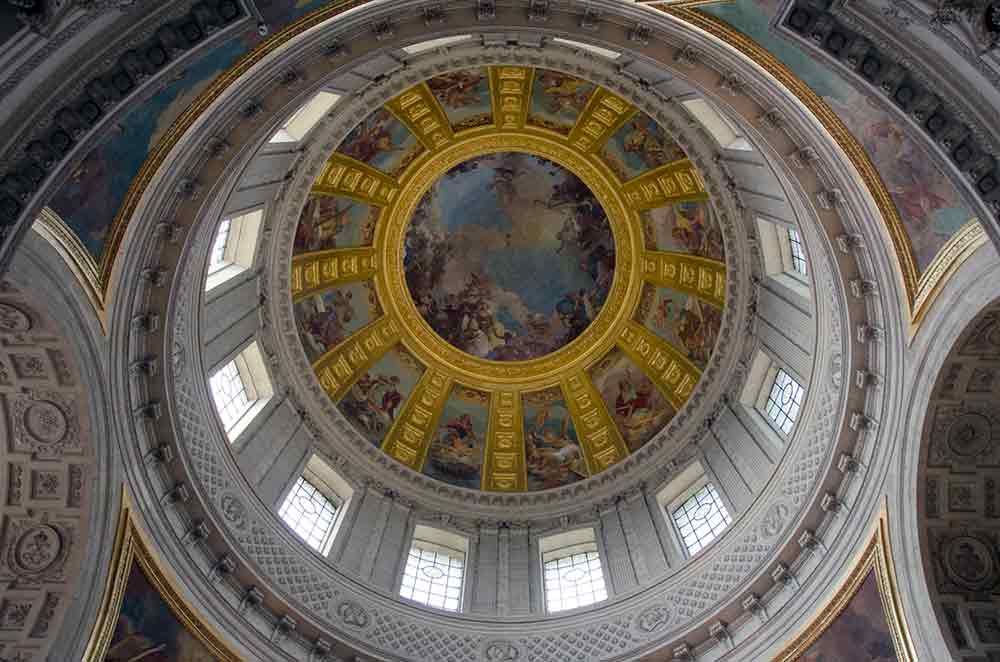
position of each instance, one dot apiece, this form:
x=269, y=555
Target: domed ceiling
x=508, y=278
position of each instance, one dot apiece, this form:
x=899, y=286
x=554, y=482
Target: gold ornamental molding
x=132, y=547
x=315, y=272
x=672, y=373
x=420, y=112
x=876, y=557
x=504, y=468
x=343, y=365
x=343, y=175
x=600, y=439
x=603, y=115
x=674, y=182
x=700, y=276
x=412, y=432
x=511, y=93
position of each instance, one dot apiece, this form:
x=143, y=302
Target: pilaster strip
x=411, y=434
x=600, y=439
x=345, y=176
x=419, y=110
x=505, y=469
x=511, y=92
x=670, y=370
x=604, y=114
x=315, y=272
x=674, y=182
x=339, y=368
x=702, y=277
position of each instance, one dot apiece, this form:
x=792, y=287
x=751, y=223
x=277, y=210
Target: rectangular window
x=798, y=254
x=234, y=246
x=784, y=401
x=218, y=258
x=310, y=514
x=305, y=118
x=229, y=391
x=701, y=518
x=571, y=571
x=435, y=570
x=240, y=389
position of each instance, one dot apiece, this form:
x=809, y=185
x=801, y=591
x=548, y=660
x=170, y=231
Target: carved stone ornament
x=45, y=423
x=969, y=435
x=970, y=562
x=234, y=511
x=353, y=614
x=36, y=550
x=501, y=651
x=13, y=320
x=655, y=618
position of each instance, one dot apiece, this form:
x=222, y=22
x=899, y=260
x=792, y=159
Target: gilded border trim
x=132, y=546
x=876, y=556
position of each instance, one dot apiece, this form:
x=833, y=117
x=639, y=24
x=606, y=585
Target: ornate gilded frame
x=133, y=546
x=876, y=556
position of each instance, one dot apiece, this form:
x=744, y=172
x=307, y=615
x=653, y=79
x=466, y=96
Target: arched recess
x=957, y=508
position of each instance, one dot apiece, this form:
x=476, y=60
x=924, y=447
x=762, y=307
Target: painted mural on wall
x=456, y=453
x=557, y=99
x=383, y=142
x=325, y=320
x=684, y=321
x=686, y=227
x=859, y=634
x=930, y=205
x=551, y=444
x=375, y=399
x=637, y=406
x=640, y=144
x=147, y=629
x=97, y=187
x=465, y=97
x=509, y=257
x=329, y=222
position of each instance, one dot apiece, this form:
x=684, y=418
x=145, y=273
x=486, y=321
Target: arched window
x=234, y=246
x=315, y=503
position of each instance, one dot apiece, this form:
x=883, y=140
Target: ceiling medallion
x=508, y=278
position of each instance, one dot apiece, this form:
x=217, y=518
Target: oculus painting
x=509, y=257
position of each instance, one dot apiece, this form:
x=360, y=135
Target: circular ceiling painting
x=509, y=256
x=508, y=278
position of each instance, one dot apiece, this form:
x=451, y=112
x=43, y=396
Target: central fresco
x=508, y=278
x=509, y=256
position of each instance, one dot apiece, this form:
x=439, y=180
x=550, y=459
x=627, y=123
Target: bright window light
x=603, y=52
x=218, y=259
x=431, y=44
x=784, y=401
x=434, y=575
x=229, y=391
x=722, y=129
x=305, y=118
x=798, y=254
x=701, y=518
x=310, y=514
x=571, y=571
